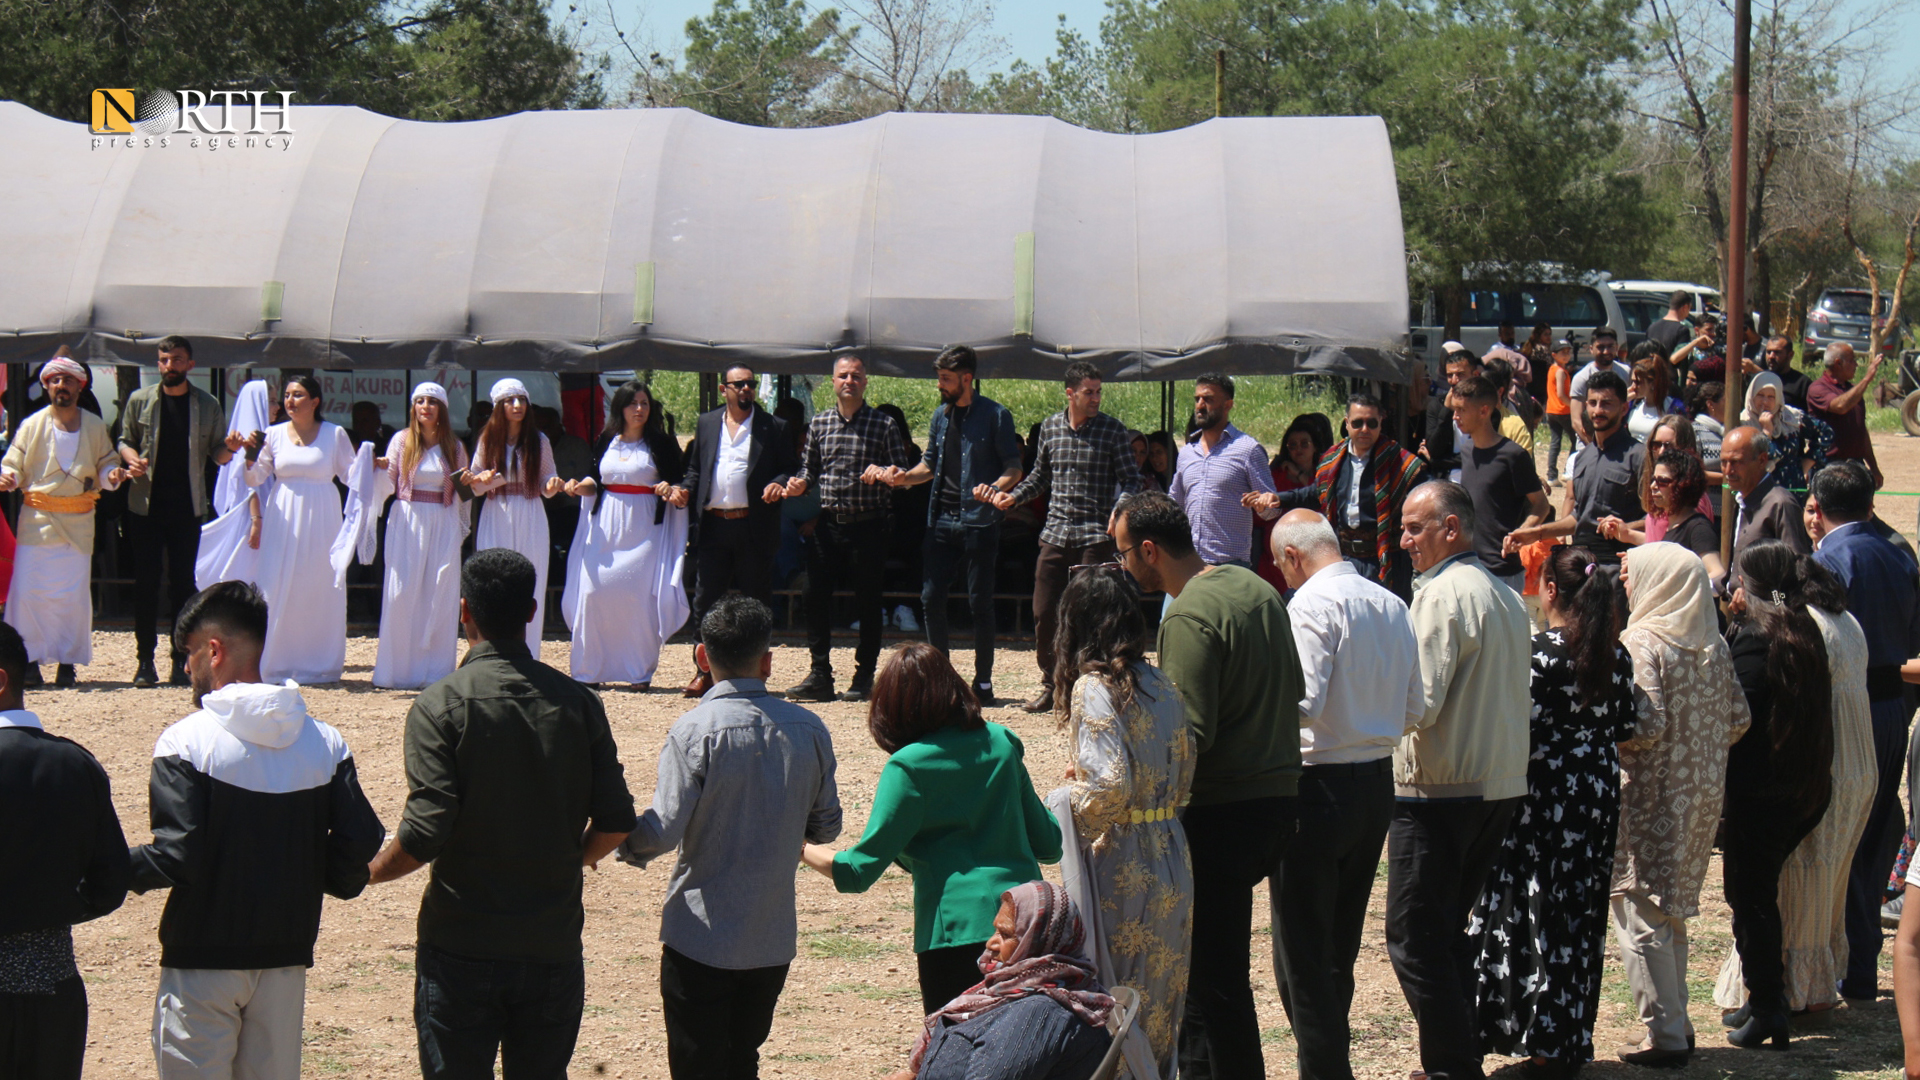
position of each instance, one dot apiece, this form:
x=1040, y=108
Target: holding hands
x=1260, y=500
x=8, y=481
x=675, y=496
x=555, y=486
x=994, y=497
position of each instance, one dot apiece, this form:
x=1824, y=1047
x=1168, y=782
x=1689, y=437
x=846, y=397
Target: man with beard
x=63, y=457
x=168, y=433
x=257, y=813
x=1605, y=475
x=1220, y=468
x=974, y=453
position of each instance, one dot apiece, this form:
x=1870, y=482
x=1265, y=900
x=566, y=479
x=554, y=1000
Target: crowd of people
x=1548, y=718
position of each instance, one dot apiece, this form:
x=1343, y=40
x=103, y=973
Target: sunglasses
x=1661, y=481
x=1363, y=424
x=739, y=384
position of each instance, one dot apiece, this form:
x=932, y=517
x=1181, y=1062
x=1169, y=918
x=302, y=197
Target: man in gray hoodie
x=257, y=812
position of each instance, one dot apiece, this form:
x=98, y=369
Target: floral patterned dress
x=1541, y=923
x=1133, y=770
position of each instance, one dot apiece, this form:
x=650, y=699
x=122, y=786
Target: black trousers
x=729, y=557
x=950, y=546
x=716, y=1018
x=166, y=535
x=1873, y=858
x=1319, y=904
x=44, y=1036
x=1438, y=857
x=1759, y=834
x=857, y=551
x=1234, y=846
x=947, y=973
x=1050, y=574
x=465, y=1011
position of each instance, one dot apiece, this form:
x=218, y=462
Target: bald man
x=1841, y=402
x=1362, y=694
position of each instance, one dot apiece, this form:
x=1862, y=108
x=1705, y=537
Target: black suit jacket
x=770, y=460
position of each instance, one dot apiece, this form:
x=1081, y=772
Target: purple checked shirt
x=1208, y=487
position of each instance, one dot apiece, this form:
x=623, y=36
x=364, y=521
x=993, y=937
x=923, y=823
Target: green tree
x=439, y=59
x=756, y=62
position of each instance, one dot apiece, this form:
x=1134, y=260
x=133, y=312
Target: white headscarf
x=1786, y=418
x=252, y=411
x=430, y=389
x=508, y=388
x=1669, y=596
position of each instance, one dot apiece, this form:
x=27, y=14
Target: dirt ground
x=851, y=1005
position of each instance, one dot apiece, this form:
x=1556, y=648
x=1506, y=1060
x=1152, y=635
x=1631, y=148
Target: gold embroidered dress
x=1132, y=774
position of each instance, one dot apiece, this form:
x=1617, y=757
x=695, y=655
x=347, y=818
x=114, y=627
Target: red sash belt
x=627, y=489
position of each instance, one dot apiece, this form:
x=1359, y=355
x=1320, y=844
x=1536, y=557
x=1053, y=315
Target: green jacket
x=1226, y=643
x=956, y=810
x=140, y=431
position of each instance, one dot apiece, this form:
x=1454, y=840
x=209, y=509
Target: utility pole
x=1737, y=300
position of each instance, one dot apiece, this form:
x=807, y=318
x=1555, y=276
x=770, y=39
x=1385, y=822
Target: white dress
x=50, y=601
x=518, y=520
x=420, y=595
x=306, y=610
x=624, y=594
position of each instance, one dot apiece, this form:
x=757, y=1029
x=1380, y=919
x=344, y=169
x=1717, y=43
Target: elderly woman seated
x=1038, y=1012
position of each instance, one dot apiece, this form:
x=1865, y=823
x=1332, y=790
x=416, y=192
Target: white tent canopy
x=662, y=238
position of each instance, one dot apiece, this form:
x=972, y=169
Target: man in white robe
x=63, y=457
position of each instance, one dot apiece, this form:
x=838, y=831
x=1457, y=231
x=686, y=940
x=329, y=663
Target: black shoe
x=817, y=686
x=1734, y=1018
x=144, y=676
x=1040, y=702
x=178, y=677
x=64, y=678
x=1655, y=1058
x=32, y=679
x=984, y=692
x=1761, y=1029
x=861, y=688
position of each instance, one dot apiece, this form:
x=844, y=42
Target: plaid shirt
x=1083, y=473
x=839, y=450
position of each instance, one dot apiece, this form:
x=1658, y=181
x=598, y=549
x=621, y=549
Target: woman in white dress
x=624, y=594
x=420, y=595
x=296, y=466
x=513, y=467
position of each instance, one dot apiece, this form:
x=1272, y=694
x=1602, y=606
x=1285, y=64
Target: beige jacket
x=1475, y=647
x=32, y=459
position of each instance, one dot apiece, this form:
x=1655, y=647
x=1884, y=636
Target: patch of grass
x=834, y=945
x=325, y=1064
x=594, y=1010
x=1276, y=1036
x=800, y=1056
x=320, y=1033
x=1884, y=419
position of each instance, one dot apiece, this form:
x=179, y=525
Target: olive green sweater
x=1226, y=643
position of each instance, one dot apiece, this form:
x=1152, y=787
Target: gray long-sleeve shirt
x=745, y=778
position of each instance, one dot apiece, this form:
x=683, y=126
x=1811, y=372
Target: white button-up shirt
x=729, y=486
x=1361, y=664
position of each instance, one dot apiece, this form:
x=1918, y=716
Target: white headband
x=508, y=388
x=430, y=389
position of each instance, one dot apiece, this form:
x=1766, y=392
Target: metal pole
x=1219, y=82
x=1736, y=258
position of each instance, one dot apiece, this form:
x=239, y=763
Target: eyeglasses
x=1363, y=423
x=739, y=384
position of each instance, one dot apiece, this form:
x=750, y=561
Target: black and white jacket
x=256, y=812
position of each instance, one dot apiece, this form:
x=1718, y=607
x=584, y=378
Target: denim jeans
x=465, y=1010
x=950, y=545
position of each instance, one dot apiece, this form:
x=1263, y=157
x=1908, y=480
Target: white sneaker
x=903, y=619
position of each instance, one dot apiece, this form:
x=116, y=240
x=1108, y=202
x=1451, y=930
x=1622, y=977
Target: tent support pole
x=709, y=392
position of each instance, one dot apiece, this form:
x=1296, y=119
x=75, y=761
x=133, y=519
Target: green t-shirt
x=958, y=812
x=1226, y=643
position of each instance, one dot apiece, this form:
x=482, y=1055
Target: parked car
x=1847, y=315
x=1570, y=307
x=1643, y=303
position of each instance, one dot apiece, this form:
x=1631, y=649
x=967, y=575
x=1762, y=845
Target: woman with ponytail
x=1813, y=884
x=1779, y=778
x=1542, y=920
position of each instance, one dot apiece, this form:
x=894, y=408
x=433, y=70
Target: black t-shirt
x=1669, y=333
x=170, y=477
x=951, y=497
x=1697, y=534
x=1606, y=481
x=1793, y=384
x=1499, y=478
